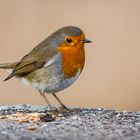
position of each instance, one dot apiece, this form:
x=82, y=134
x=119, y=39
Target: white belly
x=55, y=84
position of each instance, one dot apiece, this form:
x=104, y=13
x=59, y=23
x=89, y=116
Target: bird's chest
x=72, y=62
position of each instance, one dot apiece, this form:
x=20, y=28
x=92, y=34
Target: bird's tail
x=8, y=65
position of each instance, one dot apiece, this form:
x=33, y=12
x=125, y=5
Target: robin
x=52, y=65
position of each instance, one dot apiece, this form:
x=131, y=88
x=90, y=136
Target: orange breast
x=73, y=59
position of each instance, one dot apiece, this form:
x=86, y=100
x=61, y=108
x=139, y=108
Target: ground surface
x=82, y=124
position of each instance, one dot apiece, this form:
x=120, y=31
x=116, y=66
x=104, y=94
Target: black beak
x=86, y=41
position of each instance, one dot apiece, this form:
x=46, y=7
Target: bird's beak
x=86, y=41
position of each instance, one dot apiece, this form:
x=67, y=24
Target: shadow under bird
x=52, y=65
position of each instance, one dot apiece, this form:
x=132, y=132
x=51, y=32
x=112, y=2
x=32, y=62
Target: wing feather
x=32, y=61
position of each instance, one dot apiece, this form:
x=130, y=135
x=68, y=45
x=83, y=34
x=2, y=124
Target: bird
x=54, y=64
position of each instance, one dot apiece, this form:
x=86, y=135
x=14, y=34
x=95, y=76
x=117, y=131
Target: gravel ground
x=84, y=124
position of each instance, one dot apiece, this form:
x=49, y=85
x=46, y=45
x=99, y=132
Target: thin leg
x=46, y=100
x=62, y=105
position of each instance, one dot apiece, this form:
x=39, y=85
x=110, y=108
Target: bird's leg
x=48, y=103
x=46, y=100
x=62, y=105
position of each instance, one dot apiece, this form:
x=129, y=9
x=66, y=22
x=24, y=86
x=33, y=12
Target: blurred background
x=111, y=77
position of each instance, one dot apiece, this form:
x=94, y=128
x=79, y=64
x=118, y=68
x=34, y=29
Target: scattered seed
x=3, y=117
x=32, y=127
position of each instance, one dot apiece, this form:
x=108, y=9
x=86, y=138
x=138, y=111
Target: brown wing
x=31, y=62
x=35, y=59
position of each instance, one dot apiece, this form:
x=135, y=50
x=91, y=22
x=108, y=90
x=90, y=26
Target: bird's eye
x=68, y=40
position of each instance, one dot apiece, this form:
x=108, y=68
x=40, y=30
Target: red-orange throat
x=73, y=57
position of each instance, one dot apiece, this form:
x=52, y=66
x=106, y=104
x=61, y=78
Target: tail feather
x=8, y=65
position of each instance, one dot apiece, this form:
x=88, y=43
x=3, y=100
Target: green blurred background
x=111, y=77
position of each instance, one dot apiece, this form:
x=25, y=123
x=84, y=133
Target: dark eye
x=69, y=40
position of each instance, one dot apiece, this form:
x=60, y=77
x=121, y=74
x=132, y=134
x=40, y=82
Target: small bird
x=52, y=65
